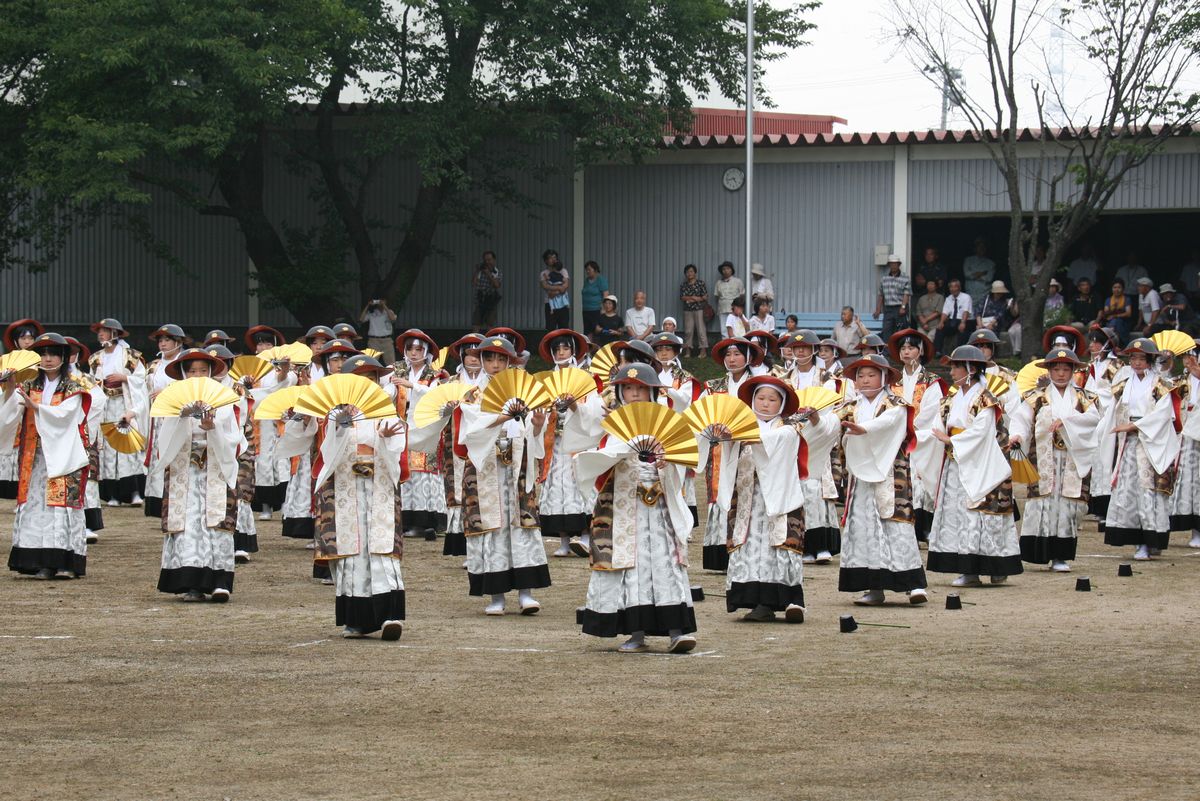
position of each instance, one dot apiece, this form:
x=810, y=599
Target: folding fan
x=568, y=381
x=275, y=354
x=440, y=361
x=1029, y=376
x=512, y=389
x=21, y=362
x=366, y=399
x=1175, y=341
x=278, y=402
x=1023, y=471
x=727, y=411
x=818, y=398
x=299, y=353
x=123, y=438
x=249, y=366
x=651, y=428
x=603, y=361
x=374, y=354
x=997, y=385
x=435, y=403
x=191, y=397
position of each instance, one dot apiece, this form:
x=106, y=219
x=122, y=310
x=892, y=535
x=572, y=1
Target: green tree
x=197, y=97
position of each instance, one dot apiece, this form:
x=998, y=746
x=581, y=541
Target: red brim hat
x=175, y=368
x=581, y=343
x=10, y=343
x=790, y=402
x=771, y=340
x=895, y=339
x=1070, y=332
x=718, y=350
x=431, y=347
x=467, y=341
x=890, y=373
x=262, y=329
x=84, y=352
x=518, y=341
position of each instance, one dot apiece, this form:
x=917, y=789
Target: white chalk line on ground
x=36, y=637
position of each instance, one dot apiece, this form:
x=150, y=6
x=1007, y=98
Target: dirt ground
x=112, y=690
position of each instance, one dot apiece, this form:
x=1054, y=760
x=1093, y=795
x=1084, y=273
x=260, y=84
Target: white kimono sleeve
x=478, y=433
x=592, y=464
x=388, y=450
x=339, y=443
x=983, y=466
x=820, y=438
x=1081, y=434
x=583, y=429
x=224, y=442
x=1156, y=431
x=869, y=456
x=58, y=429
x=11, y=412
x=775, y=460
x=297, y=438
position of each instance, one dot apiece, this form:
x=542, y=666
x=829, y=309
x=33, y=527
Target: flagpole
x=749, y=153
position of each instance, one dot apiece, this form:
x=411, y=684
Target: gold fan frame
x=511, y=384
x=210, y=400
x=131, y=434
x=239, y=369
x=1176, y=342
x=657, y=424
x=559, y=383
x=726, y=410
x=603, y=361
x=439, y=398
x=345, y=389
x=269, y=407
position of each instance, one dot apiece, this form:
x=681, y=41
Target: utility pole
x=749, y=148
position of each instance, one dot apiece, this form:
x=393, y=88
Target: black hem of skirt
x=861, y=579
x=1185, y=522
x=320, y=570
x=654, y=621
x=1098, y=506
x=28, y=561
x=268, y=496
x=152, y=507
x=369, y=614
x=974, y=564
x=245, y=542
x=93, y=519
x=455, y=544
x=517, y=578
x=421, y=520
x=563, y=525
x=8, y=490
x=298, y=528
x=695, y=516
x=203, y=579
x=1044, y=550
x=774, y=595
x=1119, y=537
x=122, y=490
x=922, y=524
x=826, y=538
x=716, y=558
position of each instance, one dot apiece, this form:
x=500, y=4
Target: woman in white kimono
x=197, y=458
x=317, y=338
x=271, y=474
x=639, y=582
x=500, y=515
x=122, y=377
x=1185, y=502
x=923, y=390
x=683, y=389
x=171, y=341
x=1141, y=440
x=19, y=335
x=974, y=531
x=245, y=532
x=1056, y=425
x=45, y=418
x=470, y=371
x=763, y=500
x=79, y=370
x=822, y=525
x=737, y=355
x=879, y=545
x=424, y=494
x=1103, y=370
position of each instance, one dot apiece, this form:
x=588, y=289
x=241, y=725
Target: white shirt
x=1136, y=396
x=112, y=361
x=1149, y=303
x=638, y=320
x=735, y=323
x=762, y=288
x=378, y=324
x=866, y=408
x=957, y=306
x=763, y=324
x=48, y=388
x=960, y=407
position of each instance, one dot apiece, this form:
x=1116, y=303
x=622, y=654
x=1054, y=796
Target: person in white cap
x=997, y=312
x=1176, y=309
x=760, y=285
x=894, y=298
x=1149, y=305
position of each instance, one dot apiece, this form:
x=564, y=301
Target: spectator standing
x=978, y=270
x=727, y=288
x=1149, y=305
x=693, y=293
x=1085, y=308
x=736, y=322
x=380, y=319
x=849, y=330
x=1084, y=265
x=610, y=327
x=893, y=299
x=931, y=270
x=1118, y=311
x=1131, y=272
x=760, y=286
x=1189, y=276
x=486, y=285
x=762, y=320
x=639, y=318
x=1176, y=310
x=955, y=320
x=591, y=294
x=929, y=309
x=557, y=285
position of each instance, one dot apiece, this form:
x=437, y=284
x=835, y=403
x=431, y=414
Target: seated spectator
x=639, y=318
x=1176, y=310
x=792, y=323
x=996, y=312
x=669, y=325
x=1055, y=311
x=762, y=320
x=1117, y=312
x=1085, y=308
x=610, y=327
x=736, y=322
x=849, y=331
x=929, y=308
x=956, y=320
x=1149, y=306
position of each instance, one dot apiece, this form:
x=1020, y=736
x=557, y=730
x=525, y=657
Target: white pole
x=749, y=152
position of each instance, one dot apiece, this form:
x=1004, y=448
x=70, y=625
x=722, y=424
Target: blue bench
x=823, y=322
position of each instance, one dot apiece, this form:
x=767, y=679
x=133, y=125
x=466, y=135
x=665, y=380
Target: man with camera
x=485, y=282
x=379, y=319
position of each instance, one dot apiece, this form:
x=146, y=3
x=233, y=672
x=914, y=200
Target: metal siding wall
x=816, y=225
x=964, y=186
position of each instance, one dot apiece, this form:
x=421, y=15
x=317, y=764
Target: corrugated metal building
x=827, y=205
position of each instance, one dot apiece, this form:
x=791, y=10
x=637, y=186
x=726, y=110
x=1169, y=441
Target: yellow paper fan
x=651, y=427
x=514, y=387
x=1175, y=341
x=377, y=355
x=1029, y=376
x=22, y=363
x=435, y=403
x=278, y=402
x=191, y=396
x=299, y=353
x=603, y=361
x=251, y=366
x=722, y=410
x=440, y=361
x=997, y=385
x=123, y=439
x=345, y=389
x=569, y=381
x=1023, y=471
x=818, y=398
